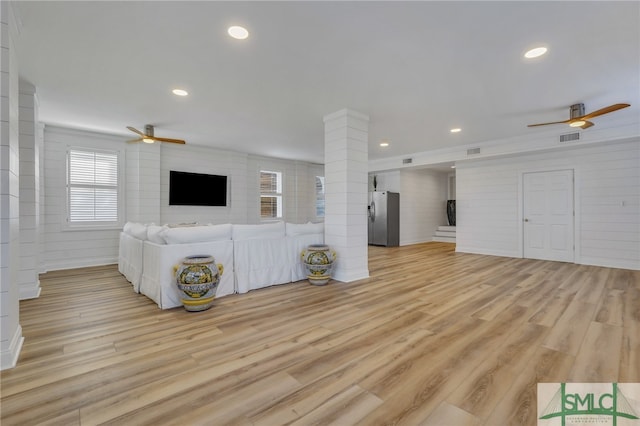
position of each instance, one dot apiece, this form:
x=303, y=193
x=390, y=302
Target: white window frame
x=95, y=224
x=278, y=194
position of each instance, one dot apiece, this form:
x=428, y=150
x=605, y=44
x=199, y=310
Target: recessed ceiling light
x=384, y=143
x=577, y=123
x=534, y=53
x=453, y=167
x=180, y=92
x=237, y=32
x=456, y=130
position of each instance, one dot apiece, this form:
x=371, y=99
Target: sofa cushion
x=136, y=230
x=154, y=234
x=294, y=229
x=262, y=231
x=197, y=234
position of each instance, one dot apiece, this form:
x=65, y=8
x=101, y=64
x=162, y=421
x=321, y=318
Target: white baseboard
x=611, y=263
x=349, y=276
x=79, y=263
x=419, y=241
x=9, y=357
x=31, y=291
x=605, y=263
x=489, y=252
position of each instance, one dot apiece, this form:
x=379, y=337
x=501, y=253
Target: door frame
x=576, y=207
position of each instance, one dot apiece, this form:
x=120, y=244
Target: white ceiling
x=416, y=68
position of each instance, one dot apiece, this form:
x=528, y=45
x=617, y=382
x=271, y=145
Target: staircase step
x=447, y=228
x=445, y=239
x=439, y=233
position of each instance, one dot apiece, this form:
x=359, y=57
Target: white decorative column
x=11, y=338
x=346, y=157
x=28, y=280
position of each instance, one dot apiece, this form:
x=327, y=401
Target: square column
x=11, y=338
x=346, y=183
x=28, y=280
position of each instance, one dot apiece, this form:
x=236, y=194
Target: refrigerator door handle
x=372, y=211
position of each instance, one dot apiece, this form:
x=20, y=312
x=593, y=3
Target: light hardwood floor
x=434, y=337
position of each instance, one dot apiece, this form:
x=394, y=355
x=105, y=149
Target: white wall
x=147, y=192
x=423, y=195
x=423, y=204
x=186, y=158
x=607, y=202
x=143, y=182
x=71, y=248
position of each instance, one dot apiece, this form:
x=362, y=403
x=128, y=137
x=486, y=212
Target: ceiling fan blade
x=180, y=141
x=134, y=130
x=134, y=140
x=605, y=110
x=586, y=125
x=544, y=124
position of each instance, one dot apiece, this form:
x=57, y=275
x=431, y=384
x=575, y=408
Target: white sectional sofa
x=253, y=256
x=130, y=252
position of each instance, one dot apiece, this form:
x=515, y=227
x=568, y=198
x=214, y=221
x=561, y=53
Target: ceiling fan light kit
x=578, y=118
x=149, y=137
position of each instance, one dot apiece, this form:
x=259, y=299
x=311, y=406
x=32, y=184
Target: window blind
x=92, y=186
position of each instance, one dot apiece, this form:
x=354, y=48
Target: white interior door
x=548, y=215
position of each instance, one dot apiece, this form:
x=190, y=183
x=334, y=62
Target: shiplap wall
x=423, y=204
x=143, y=182
x=65, y=248
x=147, y=192
x=607, y=202
x=186, y=158
x=423, y=195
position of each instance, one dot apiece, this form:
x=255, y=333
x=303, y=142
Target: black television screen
x=197, y=189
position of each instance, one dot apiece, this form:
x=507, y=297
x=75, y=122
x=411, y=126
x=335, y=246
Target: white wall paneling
x=423, y=204
x=143, y=182
x=187, y=158
x=64, y=247
x=607, y=202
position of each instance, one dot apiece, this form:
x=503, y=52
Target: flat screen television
x=197, y=189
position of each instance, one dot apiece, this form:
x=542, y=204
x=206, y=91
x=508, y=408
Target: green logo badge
x=567, y=404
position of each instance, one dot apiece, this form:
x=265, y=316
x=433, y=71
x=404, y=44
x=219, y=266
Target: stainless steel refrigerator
x=384, y=218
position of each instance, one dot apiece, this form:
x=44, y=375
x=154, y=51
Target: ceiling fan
x=148, y=137
x=579, y=119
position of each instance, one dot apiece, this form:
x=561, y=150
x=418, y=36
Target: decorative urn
x=198, y=277
x=318, y=260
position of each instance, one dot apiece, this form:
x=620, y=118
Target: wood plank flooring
x=433, y=337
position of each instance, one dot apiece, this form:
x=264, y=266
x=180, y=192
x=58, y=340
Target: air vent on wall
x=473, y=151
x=570, y=137
x=407, y=160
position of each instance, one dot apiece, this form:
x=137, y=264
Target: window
x=319, y=196
x=92, y=187
x=270, y=195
